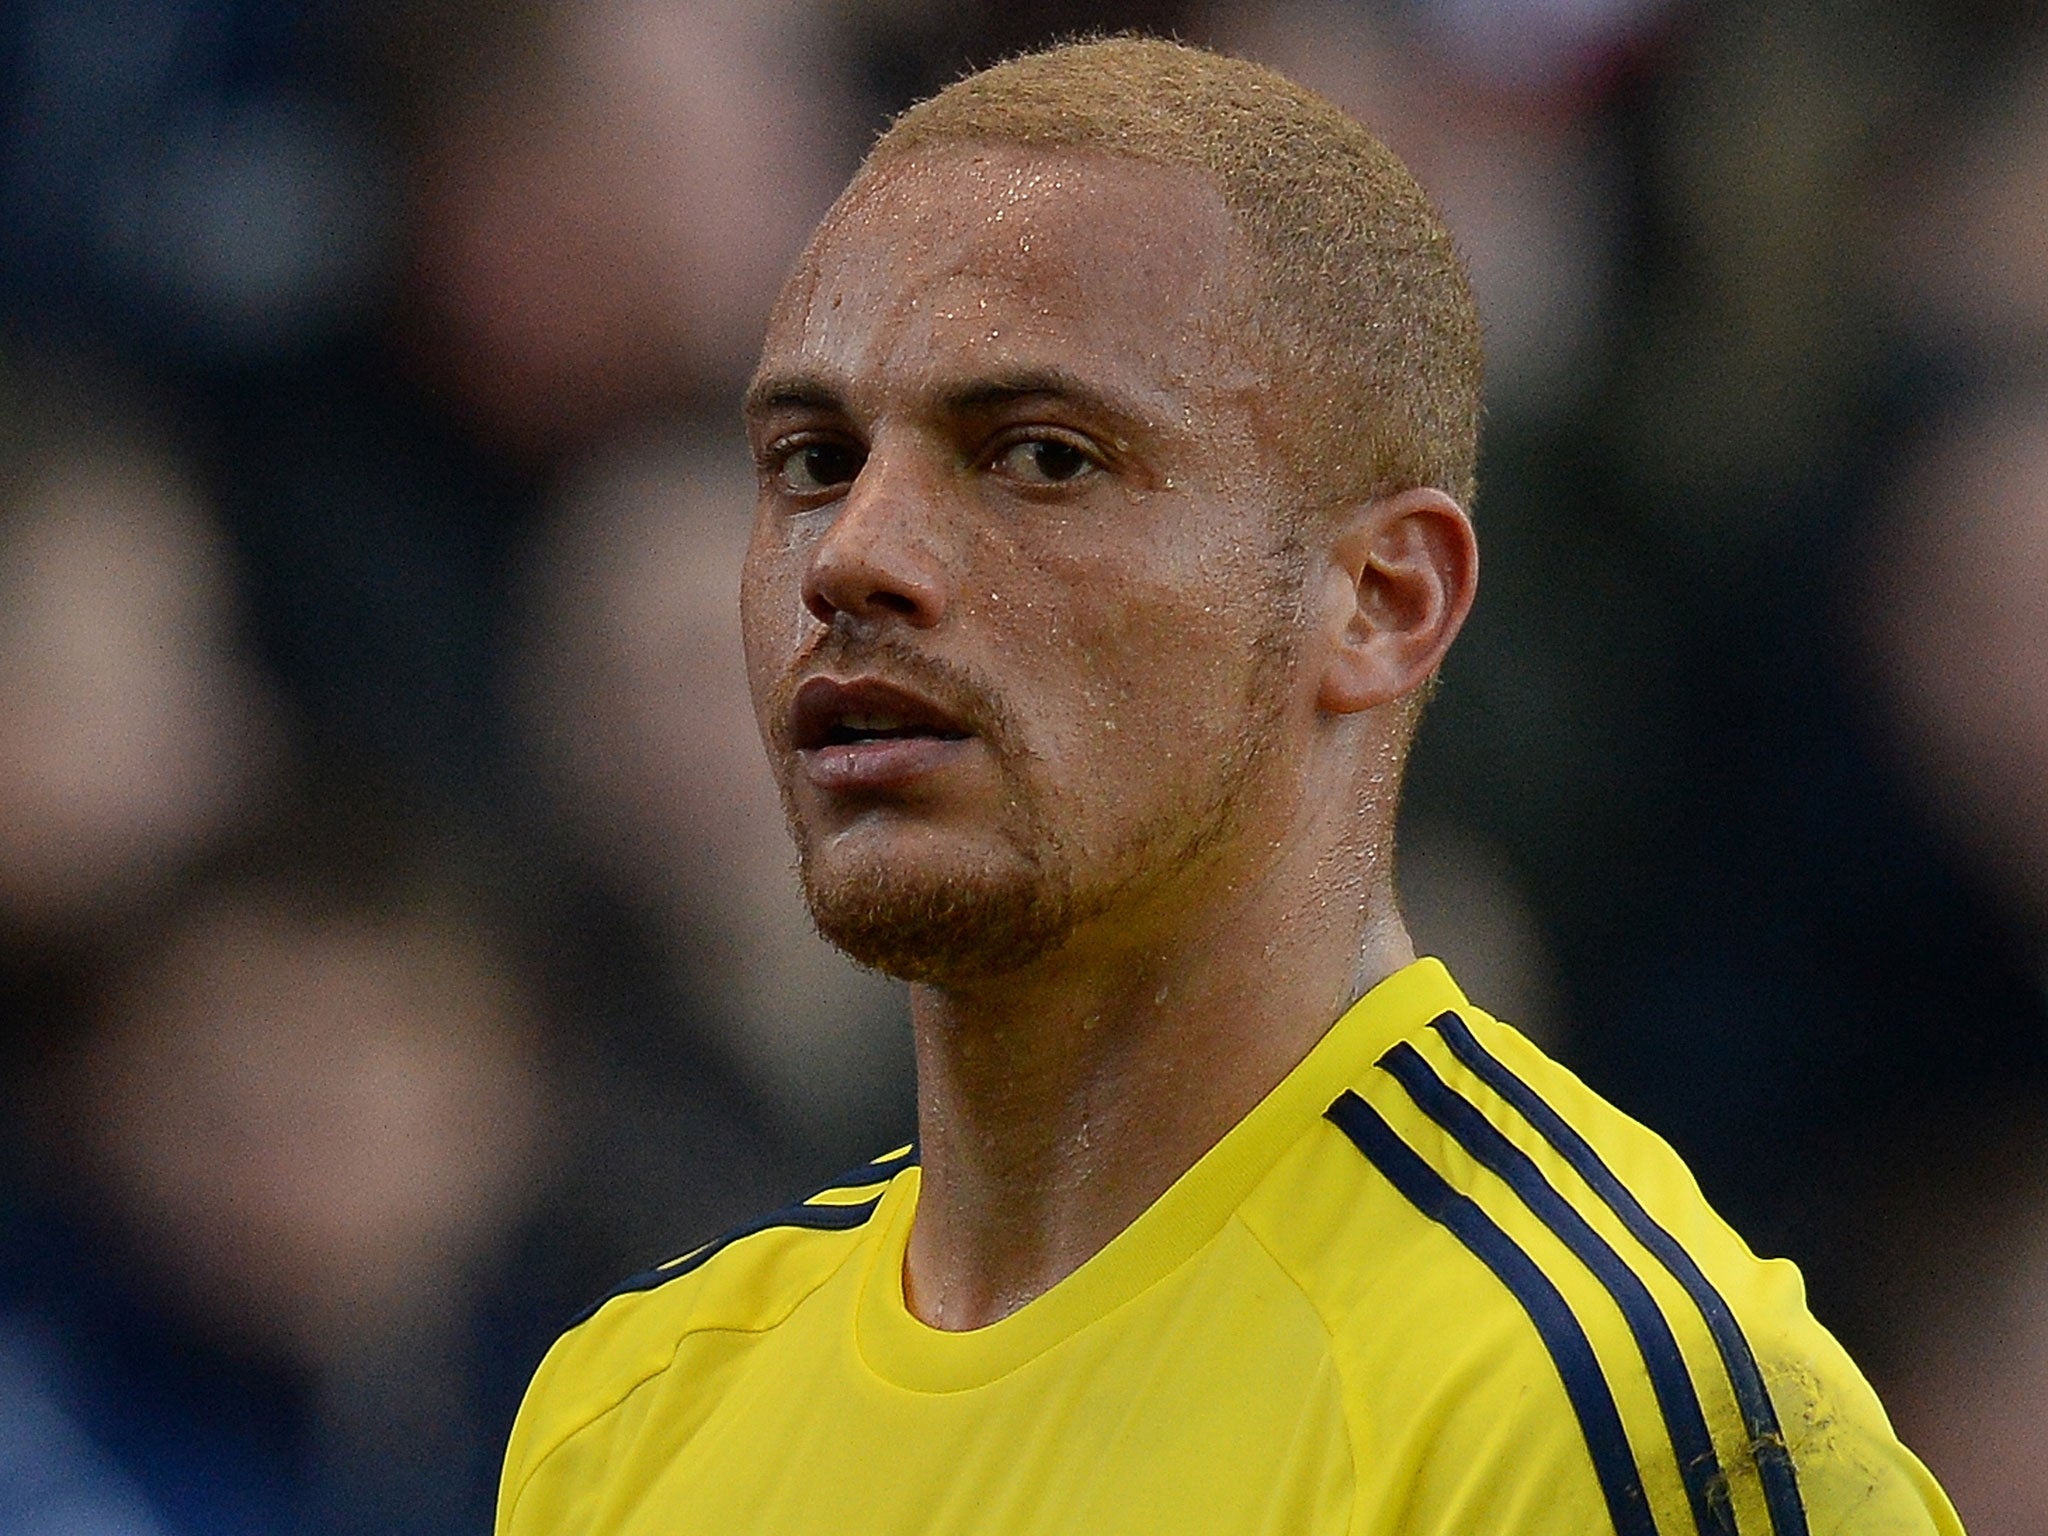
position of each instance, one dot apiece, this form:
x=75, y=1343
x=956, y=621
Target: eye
x=815, y=468
x=1046, y=461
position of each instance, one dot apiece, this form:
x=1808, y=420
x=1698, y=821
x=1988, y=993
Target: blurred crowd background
x=397, y=939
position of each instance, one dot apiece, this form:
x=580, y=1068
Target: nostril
x=872, y=559
x=824, y=604
x=867, y=580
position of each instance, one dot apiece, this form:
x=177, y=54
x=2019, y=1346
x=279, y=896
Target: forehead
x=985, y=258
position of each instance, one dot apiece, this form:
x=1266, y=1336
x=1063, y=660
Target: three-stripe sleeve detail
x=1685, y=1421
x=1759, y=1417
x=810, y=1214
x=1585, y=1385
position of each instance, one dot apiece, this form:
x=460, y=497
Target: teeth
x=871, y=724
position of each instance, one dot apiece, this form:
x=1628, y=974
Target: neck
x=1056, y=1105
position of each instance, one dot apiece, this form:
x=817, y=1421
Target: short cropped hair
x=1361, y=307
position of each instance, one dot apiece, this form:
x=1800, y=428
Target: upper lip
x=828, y=710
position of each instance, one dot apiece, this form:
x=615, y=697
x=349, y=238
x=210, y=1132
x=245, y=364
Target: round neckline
x=901, y=1349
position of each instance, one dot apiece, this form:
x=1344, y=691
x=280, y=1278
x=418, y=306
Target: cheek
x=1164, y=606
x=1161, y=650
x=771, y=608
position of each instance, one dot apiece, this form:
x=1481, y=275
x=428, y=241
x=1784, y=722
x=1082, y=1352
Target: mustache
x=961, y=692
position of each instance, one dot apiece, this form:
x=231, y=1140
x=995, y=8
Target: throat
x=1037, y=1151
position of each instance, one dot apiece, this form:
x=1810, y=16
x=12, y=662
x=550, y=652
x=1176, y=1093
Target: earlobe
x=1401, y=577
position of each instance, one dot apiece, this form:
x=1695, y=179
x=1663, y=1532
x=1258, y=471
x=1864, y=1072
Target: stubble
x=1027, y=899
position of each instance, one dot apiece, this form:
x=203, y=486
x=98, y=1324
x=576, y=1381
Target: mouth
x=855, y=729
x=869, y=734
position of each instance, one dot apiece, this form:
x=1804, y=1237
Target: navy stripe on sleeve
x=880, y=1171
x=1684, y=1420
x=804, y=1215
x=1621, y=1483
x=818, y=1218
x=1759, y=1417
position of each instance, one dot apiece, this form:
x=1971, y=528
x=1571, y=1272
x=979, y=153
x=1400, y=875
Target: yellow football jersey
x=1431, y=1285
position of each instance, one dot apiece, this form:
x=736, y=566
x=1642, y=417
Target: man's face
x=1020, y=614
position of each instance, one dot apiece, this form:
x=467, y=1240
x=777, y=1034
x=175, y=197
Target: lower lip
x=892, y=763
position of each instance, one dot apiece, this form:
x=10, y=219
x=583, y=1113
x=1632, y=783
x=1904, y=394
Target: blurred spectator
x=177, y=180
x=307, y=1100
x=132, y=727
x=1541, y=47
x=634, y=685
x=1759, y=368
x=295, y=1122
x=1966, y=241
x=1964, y=1253
x=599, y=233
x=1955, y=606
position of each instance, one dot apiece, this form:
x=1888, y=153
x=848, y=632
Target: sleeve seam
x=1335, y=1356
x=591, y=1419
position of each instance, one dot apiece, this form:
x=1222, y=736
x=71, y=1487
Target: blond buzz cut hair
x=1361, y=310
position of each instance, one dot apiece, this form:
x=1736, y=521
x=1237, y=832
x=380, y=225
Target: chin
x=940, y=929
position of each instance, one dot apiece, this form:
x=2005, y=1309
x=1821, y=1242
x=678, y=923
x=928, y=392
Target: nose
x=877, y=560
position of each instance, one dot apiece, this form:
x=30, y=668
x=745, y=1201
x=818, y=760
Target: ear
x=1401, y=577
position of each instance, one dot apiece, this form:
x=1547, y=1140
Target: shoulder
x=1534, y=1296
x=759, y=1264
x=746, y=1281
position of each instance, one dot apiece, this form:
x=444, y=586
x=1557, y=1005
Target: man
x=1114, y=434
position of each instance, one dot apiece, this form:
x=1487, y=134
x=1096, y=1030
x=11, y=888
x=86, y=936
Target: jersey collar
x=899, y=1347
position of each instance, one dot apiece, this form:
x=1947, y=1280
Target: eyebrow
x=965, y=398
x=794, y=393
x=1002, y=389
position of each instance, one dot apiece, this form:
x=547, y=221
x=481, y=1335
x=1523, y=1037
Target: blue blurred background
x=397, y=940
